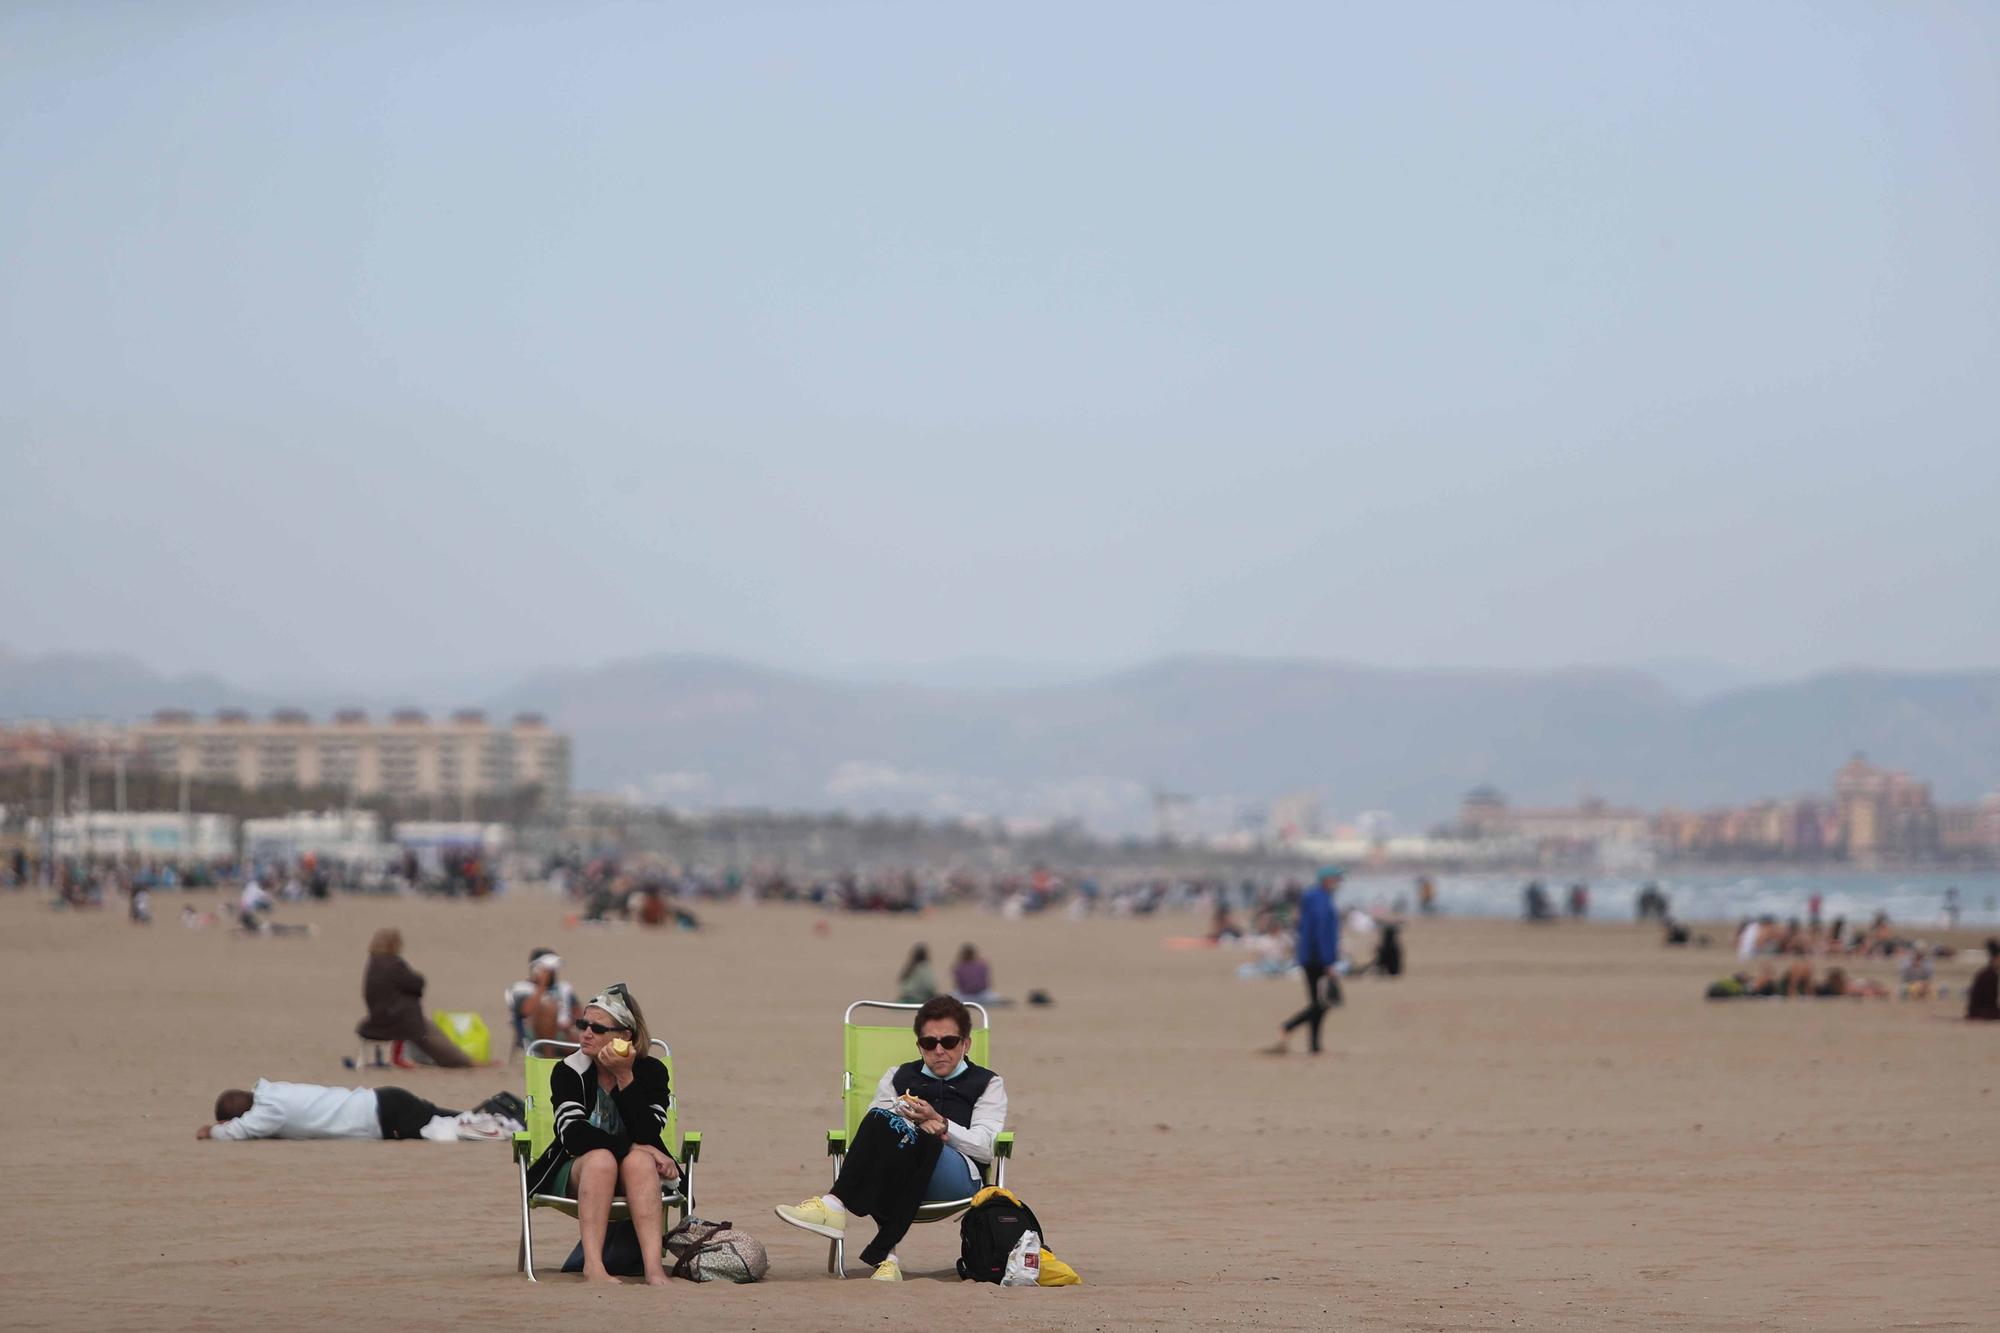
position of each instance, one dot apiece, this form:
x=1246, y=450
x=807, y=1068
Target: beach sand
x=1533, y=1128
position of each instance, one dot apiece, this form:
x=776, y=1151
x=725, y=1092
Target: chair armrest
x=690, y=1145
x=523, y=1148
x=836, y=1143
x=1003, y=1143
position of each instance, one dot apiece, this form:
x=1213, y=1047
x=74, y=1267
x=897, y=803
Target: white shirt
x=989, y=1117
x=304, y=1111
x=253, y=898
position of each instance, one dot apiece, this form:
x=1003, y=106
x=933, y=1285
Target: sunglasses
x=598, y=1028
x=932, y=1043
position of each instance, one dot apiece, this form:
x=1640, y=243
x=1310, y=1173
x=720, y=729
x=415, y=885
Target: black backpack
x=988, y=1233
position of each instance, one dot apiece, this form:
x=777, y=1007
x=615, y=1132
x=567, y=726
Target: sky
x=379, y=341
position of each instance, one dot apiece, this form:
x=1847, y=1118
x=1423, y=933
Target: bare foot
x=600, y=1275
x=658, y=1280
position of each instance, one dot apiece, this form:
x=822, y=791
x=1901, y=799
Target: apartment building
x=405, y=757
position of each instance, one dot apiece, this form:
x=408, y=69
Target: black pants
x=1315, y=1010
x=404, y=1114
x=884, y=1177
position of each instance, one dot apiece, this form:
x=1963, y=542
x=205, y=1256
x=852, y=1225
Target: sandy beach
x=1533, y=1128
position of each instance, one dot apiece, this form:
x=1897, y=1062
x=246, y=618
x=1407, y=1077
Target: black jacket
x=573, y=1094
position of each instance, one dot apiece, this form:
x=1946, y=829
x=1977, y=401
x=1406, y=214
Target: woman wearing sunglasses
x=932, y=1121
x=610, y=1107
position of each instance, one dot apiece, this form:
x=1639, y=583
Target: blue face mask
x=953, y=1074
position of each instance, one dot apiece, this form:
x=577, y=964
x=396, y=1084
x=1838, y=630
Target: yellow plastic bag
x=1056, y=1273
x=467, y=1031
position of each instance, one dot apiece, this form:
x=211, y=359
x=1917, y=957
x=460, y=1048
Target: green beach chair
x=872, y=1049
x=541, y=1131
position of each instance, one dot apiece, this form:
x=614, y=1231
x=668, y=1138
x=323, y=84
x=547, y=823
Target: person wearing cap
x=610, y=1109
x=1318, y=951
x=543, y=1007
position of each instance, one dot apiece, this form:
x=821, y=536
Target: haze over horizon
x=383, y=345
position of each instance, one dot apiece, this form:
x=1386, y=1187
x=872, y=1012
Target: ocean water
x=1913, y=899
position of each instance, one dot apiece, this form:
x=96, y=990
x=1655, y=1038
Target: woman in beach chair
x=932, y=1121
x=610, y=1102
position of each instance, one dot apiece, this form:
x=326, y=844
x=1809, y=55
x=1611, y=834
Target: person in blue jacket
x=1318, y=951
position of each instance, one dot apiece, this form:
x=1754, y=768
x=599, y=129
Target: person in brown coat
x=1982, y=1002
x=394, y=993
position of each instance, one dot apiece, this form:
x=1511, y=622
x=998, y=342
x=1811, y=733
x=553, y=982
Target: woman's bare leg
x=596, y=1176
x=642, y=1195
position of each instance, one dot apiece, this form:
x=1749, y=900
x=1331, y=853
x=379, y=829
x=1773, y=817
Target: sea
x=1914, y=899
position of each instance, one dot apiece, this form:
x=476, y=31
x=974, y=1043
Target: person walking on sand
x=1318, y=951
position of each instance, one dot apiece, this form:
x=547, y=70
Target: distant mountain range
x=1230, y=734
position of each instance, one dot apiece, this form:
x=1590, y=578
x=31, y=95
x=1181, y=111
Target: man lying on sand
x=309, y=1111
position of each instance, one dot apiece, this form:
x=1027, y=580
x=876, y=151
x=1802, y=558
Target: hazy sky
x=371, y=341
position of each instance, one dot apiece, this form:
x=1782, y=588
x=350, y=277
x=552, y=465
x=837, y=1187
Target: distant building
x=1884, y=815
x=1486, y=814
x=407, y=757
x=147, y=836
x=346, y=837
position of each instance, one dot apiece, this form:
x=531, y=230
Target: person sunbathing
x=310, y=1111
x=1916, y=975
x=932, y=1121
x=610, y=1099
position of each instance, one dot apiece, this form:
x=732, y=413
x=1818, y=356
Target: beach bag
x=467, y=1031
x=989, y=1233
x=505, y=1105
x=622, y=1255
x=716, y=1252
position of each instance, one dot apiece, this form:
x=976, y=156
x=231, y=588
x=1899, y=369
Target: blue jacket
x=1319, y=929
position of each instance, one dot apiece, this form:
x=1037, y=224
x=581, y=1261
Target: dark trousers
x=403, y=1115
x=884, y=1177
x=1317, y=978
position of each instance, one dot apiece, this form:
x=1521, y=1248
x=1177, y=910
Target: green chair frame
x=541, y=1131
x=870, y=1049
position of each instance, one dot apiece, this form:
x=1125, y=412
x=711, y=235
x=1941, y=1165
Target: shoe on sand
x=886, y=1271
x=813, y=1215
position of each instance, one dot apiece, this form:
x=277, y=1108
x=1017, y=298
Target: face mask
x=953, y=1074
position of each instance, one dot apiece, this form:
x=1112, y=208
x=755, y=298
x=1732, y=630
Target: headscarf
x=612, y=1000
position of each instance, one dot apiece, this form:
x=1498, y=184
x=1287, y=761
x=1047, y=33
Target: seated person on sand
x=393, y=991
x=253, y=912
x=931, y=1122
x=543, y=1007
x=972, y=978
x=1222, y=926
x=916, y=982
x=610, y=1100
x=309, y=1111
x=1915, y=975
x=1982, y=1002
